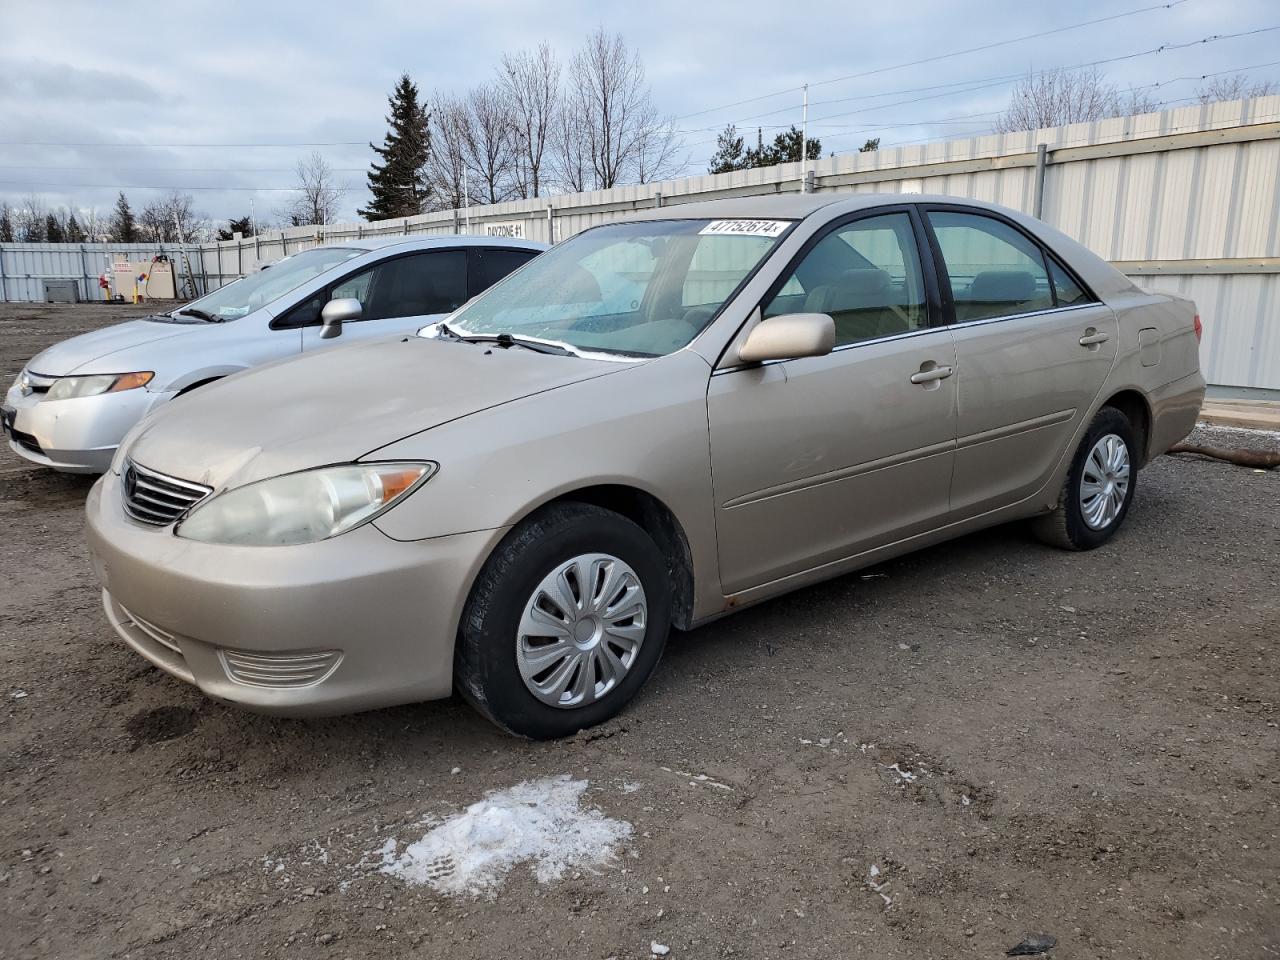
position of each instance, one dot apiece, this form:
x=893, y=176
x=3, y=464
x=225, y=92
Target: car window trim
x=276, y=321
x=1046, y=253
x=932, y=306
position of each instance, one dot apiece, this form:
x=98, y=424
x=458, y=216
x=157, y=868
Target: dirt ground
x=1090, y=740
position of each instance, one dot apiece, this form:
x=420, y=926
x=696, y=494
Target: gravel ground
x=1090, y=747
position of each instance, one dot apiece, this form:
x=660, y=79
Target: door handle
x=1092, y=338
x=931, y=375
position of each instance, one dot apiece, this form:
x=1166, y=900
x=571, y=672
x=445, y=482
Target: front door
x=818, y=459
x=1033, y=349
x=398, y=296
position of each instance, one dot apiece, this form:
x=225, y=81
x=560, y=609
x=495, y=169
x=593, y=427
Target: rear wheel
x=1099, y=487
x=566, y=621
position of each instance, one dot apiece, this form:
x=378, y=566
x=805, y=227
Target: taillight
x=1199, y=328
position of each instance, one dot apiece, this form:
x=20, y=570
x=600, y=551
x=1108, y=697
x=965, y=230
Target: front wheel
x=1099, y=487
x=565, y=623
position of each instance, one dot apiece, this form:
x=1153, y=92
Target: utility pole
x=804, y=143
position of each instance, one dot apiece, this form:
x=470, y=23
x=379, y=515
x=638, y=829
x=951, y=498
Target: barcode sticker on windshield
x=745, y=228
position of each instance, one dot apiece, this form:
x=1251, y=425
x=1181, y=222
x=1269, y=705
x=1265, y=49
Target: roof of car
x=421, y=242
x=788, y=206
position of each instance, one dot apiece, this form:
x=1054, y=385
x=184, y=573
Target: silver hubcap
x=581, y=630
x=1104, y=482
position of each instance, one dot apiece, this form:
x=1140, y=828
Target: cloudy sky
x=222, y=98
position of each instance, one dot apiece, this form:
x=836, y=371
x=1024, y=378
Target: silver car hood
x=67, y=357
x=338, y=404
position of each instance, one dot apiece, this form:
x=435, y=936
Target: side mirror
x=335, y=312
x=789, y=337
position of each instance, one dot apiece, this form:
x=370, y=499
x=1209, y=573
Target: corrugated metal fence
x=1186, y=200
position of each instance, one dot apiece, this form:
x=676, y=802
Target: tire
x=499, y=660
x=1070, y=526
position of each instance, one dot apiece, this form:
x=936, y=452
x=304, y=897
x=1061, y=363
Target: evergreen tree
x=53, y=230
x=784, y=149
x=871, y=146
x=6, y=224
x=240, y=225
x=124, y=228
x=75, y=232
x=399, y=184
x=729, y=153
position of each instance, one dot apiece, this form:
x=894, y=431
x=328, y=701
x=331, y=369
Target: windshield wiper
x=507, y=340
x=198, y=314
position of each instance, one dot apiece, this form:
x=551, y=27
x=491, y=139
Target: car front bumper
x=75, y=436
x=352, y=623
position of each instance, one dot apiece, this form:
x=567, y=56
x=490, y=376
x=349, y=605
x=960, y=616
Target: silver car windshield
x=639, y=289
x=258, y=289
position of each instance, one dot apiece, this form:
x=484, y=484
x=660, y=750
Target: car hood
x=67, y=357
x=338, y=404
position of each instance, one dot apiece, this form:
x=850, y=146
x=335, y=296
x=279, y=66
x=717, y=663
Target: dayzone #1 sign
x=509, y=229
x=745, y=228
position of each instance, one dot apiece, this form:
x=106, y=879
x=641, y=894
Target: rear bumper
x=75, y=436
x=352, y=623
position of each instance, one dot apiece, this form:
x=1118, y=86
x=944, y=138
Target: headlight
x=67, y=388
x=303, y=507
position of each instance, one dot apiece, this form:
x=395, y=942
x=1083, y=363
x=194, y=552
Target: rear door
x=1033, y=348
x=819, y=459
x=487, y=265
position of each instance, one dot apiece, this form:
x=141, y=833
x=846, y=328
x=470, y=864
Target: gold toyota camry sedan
x=659, y=421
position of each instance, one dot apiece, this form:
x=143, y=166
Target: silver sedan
x=72, y=403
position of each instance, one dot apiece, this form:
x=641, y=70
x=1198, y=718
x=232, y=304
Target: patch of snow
x=658, y=949
x=540, y=821
x=904, y=776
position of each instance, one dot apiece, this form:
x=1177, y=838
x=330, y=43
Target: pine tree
x=784, y=149
x=399, y=184
x=75, y=232
x=729, y=154
x=124, y=228
x=6, y=224
x=241, y=225
x=871, y=146
x=53, y=230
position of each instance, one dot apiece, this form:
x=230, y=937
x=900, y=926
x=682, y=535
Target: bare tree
x=319, y=193
x=531, y=80
x=29, y=219
x=447, y=165
x=488, y=143
x=571, y=159
x=609, y=109
x=1238, y=86
x=1054, y=98
x=172, y=219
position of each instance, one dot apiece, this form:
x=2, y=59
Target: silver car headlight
x=68, y=388
x=304, y=507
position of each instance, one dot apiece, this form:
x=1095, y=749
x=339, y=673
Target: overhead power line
x=943, y=56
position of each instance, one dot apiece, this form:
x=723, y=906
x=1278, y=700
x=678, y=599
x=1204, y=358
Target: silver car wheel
x=581, y=630
x=1104, y=482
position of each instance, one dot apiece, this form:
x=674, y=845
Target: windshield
x=639, y=289
x=258, y=289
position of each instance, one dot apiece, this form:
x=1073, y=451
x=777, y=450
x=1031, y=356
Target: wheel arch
x=1138, y=412
x=658, y=521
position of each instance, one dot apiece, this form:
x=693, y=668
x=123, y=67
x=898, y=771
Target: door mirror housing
x=789, y=337
x=335, y=313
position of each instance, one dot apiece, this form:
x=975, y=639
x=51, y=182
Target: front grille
x=156, y=498
x=279, y=669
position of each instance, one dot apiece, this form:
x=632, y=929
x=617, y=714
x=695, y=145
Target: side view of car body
x=659, y=421
x=72, y=403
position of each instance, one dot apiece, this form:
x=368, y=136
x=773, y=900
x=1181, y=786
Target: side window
x=422, y=283
x=1067, y=290
x=488, y=266
x=995, y=271
x=866, y=275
